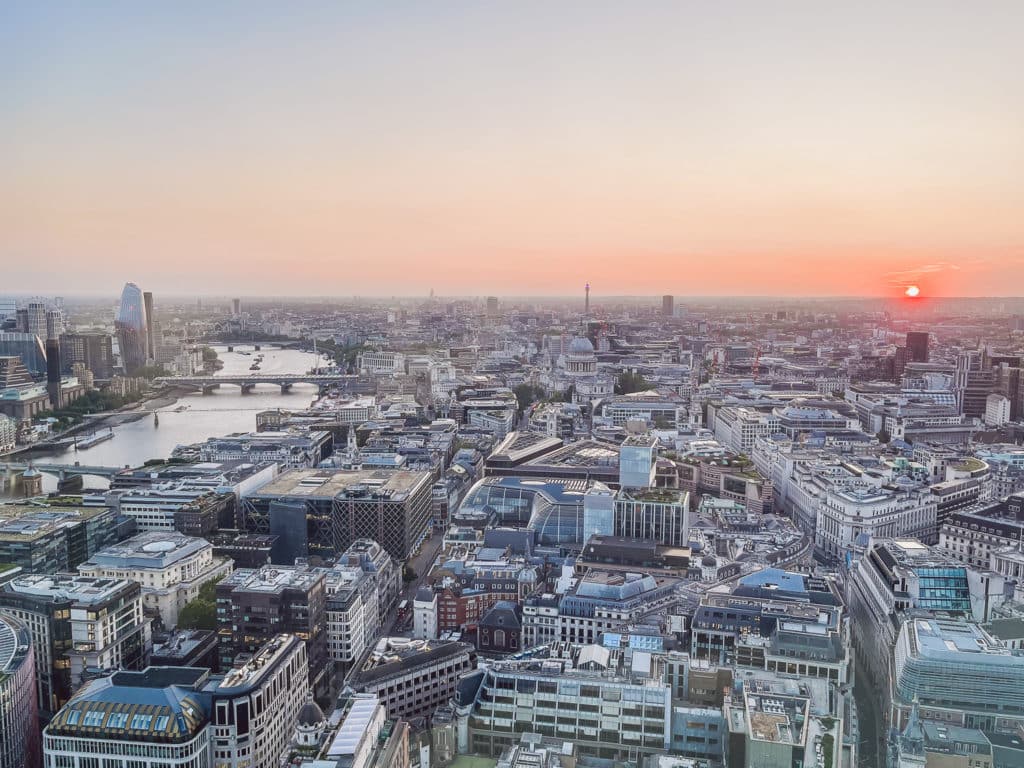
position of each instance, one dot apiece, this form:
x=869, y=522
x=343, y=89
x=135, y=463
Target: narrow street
x=421, y=564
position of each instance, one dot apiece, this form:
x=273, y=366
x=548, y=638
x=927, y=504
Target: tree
x=629, y=383
x=408, y=573
x=209, y=354
x=883, y=436
x=198, y=614
x=527, y=395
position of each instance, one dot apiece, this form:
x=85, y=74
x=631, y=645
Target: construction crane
x=756, y=367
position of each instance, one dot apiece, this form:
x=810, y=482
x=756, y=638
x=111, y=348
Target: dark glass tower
x=131, y=327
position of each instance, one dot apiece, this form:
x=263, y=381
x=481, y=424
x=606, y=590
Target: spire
x=912, y=738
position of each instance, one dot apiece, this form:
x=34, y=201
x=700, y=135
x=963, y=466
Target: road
x=421, y=562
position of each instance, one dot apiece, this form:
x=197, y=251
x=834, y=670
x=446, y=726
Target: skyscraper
x=917, y=346
x=492, y=306
x=93, y=350
x=668, y=305
x=53, y=372
x=236, y=307
x=35, y=319
x=586, y=300
x=130, y=325
x=147, y=299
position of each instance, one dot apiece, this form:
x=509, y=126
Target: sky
x=513, y=148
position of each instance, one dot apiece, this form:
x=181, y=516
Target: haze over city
x=799, y=148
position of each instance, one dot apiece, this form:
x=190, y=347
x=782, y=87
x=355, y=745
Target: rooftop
x=334, y=483
x=153, y=549
x=274, y=579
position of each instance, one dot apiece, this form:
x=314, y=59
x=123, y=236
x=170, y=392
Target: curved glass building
x=551, y=507
x=131, y=326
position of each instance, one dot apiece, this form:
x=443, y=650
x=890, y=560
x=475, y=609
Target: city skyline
x=800, y=150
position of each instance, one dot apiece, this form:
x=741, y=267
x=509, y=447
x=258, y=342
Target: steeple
x=909, y=745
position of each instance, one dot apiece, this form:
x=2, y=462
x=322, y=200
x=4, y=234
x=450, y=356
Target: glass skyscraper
x=131, y=324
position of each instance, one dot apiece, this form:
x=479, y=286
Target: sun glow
x=912, y=291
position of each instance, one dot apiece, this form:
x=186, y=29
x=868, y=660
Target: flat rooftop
x=328, y=483
x=81, y=589
x=152, y=549
x=272, y=579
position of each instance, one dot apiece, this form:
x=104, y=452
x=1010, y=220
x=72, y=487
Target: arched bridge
x=61, y=470
x=247, y=382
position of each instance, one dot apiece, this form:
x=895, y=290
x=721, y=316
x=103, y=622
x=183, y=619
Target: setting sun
x=912, y=291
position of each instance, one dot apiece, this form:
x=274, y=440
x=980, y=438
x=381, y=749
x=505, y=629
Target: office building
x=21, y=398
x=168, y=717
x=779, y=722
x=997, y=410
x=170, y=567
x=254, y=606
x=131, y=326
x=637, y=461
x=147, y=302
x=611, y=703
x=26, y=346
x=661, y=515
x=352, y=615
x=188, y=648
x=93, y=350
x=890, y=579
x=287, y=450
x=957, y=674
x=492, y=306
x=191, y=508
x=35, y=319
x=599, y=601
x=917, y=346
x=362, y=738
x=79, y=626
x=53, y=539
x=412, y=678
x=8, y=433
x=322, y=511
x=19, y=711
x=668, y=305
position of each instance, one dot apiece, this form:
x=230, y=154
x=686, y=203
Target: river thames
x=222, y=412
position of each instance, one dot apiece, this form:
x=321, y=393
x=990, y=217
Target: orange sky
x=802, y=149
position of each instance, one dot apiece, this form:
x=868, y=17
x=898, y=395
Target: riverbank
x=98, y=422
x=156, y=401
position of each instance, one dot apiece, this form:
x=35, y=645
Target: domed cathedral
x=581, y=360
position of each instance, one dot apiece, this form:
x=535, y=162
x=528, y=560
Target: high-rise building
x=492, y=306
x=28, y=347
x=35, y=319
x=184, y=716
x=19, y=724
x=668, y=305
x=79, y=625
x=131, y=326
x=93, y=350
x=917, y=346
x=147, y=300
x=53, y=371
x=254, y=606
x=236, y=307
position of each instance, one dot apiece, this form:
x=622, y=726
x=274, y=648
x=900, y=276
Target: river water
x=222, y=412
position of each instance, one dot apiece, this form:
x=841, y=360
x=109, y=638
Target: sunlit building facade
x=131, y=325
